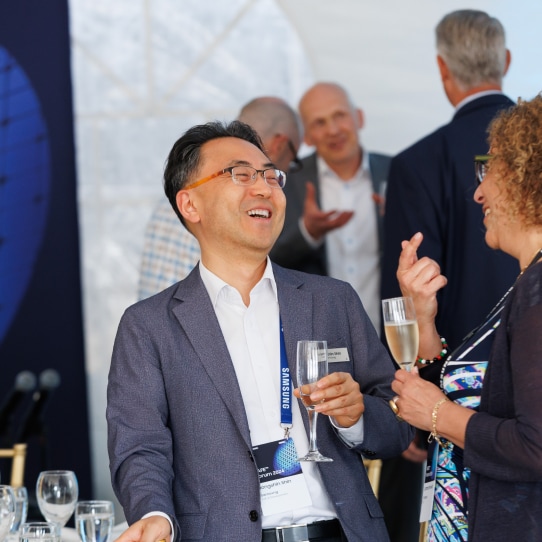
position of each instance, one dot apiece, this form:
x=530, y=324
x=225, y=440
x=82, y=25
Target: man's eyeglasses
x=295, y=164
x=481, y=166
x=246, y=176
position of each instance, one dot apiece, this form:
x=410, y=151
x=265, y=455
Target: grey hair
x=472, y=43
x=270, y=115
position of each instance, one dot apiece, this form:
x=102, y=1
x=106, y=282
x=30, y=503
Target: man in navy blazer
x=333, y=223
x=196, y=379
x=430, y=190
x=431, y=184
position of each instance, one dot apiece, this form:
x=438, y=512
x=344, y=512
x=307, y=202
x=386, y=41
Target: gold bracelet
x=434, y=433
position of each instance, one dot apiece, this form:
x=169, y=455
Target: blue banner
x=40, y=293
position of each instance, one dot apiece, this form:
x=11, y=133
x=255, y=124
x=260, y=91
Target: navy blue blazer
x=291, y=249
x=178, y=435
x=430, y=189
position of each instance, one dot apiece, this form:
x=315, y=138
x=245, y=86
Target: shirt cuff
x=150, y=514
x=351, y=436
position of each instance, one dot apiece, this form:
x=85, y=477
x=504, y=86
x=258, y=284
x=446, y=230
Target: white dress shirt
x=252, y=336
x=353, y=250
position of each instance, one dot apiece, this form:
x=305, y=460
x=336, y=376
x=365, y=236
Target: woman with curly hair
x=482, y=404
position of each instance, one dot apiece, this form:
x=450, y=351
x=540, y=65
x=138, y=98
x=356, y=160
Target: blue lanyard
x=285, y=388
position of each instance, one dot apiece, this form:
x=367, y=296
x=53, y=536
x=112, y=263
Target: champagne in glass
x=401, y=328
x=94, y=520
x=311, y=367
x=57, y=492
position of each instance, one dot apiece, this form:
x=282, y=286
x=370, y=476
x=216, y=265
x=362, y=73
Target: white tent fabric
x=146, y=70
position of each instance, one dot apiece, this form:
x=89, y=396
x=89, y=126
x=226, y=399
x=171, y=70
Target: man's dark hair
x=184, y=158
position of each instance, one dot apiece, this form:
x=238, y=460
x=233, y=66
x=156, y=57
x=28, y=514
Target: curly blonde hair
x=515, y=138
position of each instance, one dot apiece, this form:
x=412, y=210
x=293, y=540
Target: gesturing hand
x=318, y=222
x=420, y=279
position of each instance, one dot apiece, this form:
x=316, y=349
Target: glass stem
x=312, y=429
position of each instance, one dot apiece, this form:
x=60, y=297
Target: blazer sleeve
x=139, y=440
x=414, y=202
x=504, y=440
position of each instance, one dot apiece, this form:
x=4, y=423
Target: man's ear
x=508, y=60
x=275, y=146
x=360, y=118
x=186, y=203
x=443, y=69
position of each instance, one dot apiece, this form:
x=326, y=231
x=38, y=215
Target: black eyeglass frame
x=295, y=164
x=480, y=166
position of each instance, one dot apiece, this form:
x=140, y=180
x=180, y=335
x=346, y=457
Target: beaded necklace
x=496, y=310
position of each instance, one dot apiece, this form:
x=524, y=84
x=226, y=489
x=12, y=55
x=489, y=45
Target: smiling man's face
x=228, y=218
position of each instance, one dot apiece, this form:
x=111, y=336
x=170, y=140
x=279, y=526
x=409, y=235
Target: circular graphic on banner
x=25, y=176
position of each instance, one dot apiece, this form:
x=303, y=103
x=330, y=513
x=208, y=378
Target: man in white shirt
x=204, y=428
x=334, y=211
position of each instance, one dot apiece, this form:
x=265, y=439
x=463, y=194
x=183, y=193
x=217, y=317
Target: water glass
x=39, y=531
x=21, y=509
x=94, y=520
x=7, y=510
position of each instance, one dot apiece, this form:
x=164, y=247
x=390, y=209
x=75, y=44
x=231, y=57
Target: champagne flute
x=401, y=328
x=7, y=510
x=57, y=492
x=94, y=520
x=311, y=367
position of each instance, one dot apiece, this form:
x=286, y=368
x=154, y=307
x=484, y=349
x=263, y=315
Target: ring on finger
x=395, y=409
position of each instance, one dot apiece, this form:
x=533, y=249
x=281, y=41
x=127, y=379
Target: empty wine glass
x=7, y=511
x=311, y=367
x=57, y=492
x=40, y=531
x=94, y=520
x=401, y=328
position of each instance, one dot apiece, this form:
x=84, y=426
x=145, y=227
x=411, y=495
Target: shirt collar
x=475, y=96
x=325, y=170
x=214, y=284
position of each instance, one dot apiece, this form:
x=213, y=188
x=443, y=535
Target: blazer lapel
x=295, y=312
x=197, y=317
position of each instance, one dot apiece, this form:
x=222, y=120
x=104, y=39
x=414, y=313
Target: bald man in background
x=334, y=211
x=170, y=251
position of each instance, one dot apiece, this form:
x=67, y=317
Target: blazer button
x=253, y=515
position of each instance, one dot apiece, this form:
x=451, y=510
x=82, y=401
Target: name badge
x=282, y=482
x=337, y=354
x=429, y=483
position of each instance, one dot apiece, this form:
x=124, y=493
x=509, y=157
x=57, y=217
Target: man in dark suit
x=431, y=184
x=203, y=426
x=334, y=210
x=430, y=189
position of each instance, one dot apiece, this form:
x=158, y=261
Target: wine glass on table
x=311, y=367
x=57, y=492
x=7, y=511
x=401, y=328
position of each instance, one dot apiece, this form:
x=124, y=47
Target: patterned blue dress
x=461, y=378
